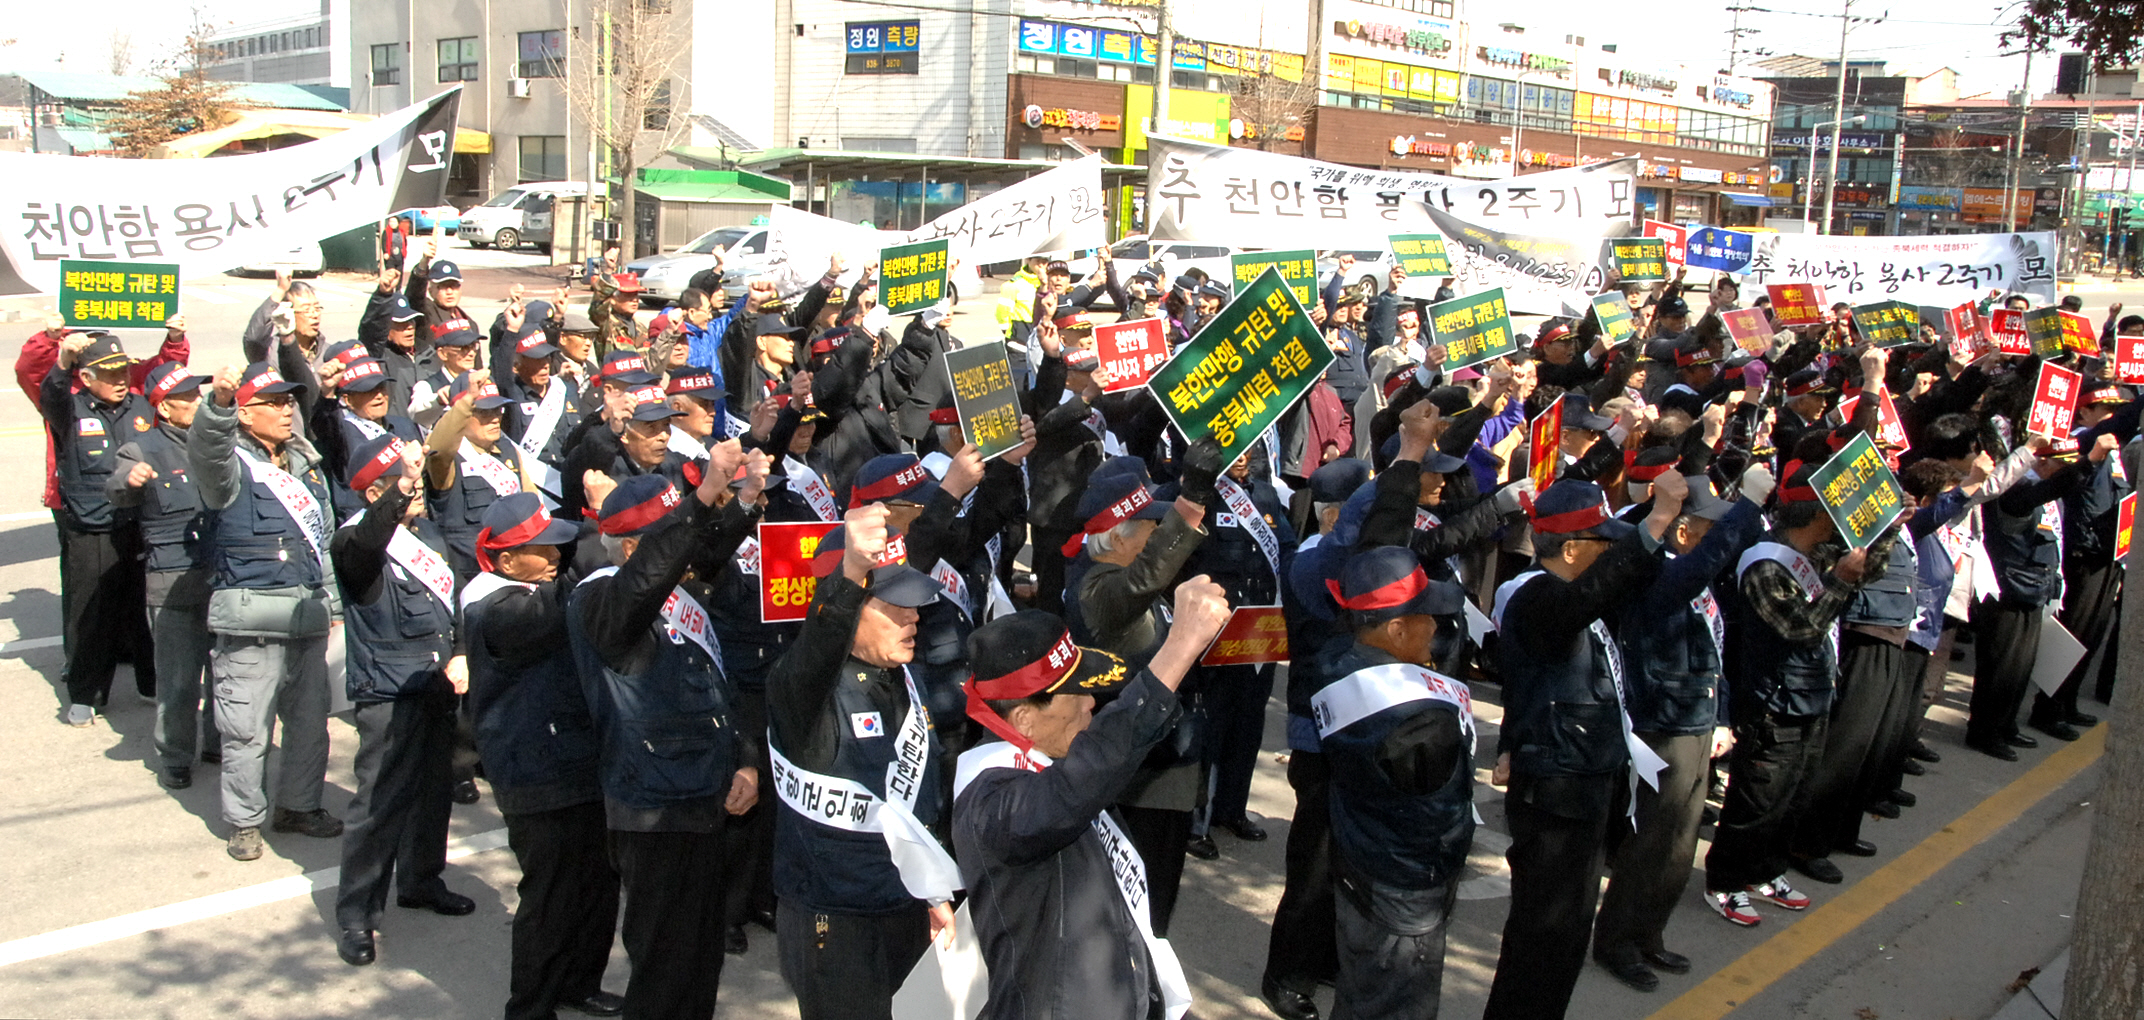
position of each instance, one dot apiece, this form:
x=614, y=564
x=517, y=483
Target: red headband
x=620, y=366
x=945, y=416
x=888, y=487
x=634, y=518
x=247, y=389
x=519, y=534
x=1573, y=520
x=163, y=390
x=1055, y=664
x=1385, y=597
x=356, y=372
x=371, y=470
x=1118, y=512
x=1636, y=472
x=828, y=559
x=1792, y=493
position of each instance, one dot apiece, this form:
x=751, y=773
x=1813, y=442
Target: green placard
x=1421, y=254
x=115, y=295
x=911, y=277
x=1859, y=491
x=1473, y=329
x=2043, y=326
x=1891, y=323
x=1613, y=309
x=1245, y=367
x=984, y=396
x=1299, y=268
x=1641, y=259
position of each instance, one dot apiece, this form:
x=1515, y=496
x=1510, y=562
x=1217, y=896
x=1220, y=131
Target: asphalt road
x=121, y=902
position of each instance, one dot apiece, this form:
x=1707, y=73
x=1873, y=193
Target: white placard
x=1938, y=271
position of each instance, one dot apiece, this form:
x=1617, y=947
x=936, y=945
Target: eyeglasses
x=278, y=400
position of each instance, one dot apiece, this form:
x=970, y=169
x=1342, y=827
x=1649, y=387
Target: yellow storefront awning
x=253, y=125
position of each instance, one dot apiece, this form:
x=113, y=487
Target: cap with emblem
x=649, y=404
x=1670, y=307
x=1387, y=582
x=343, y=353
x=1113, y=497
x=637, y=506
x=373, y=459
x=1214, y=291
x=626, y=368
x=457, y=338
x=484, y=392
x=400, y=310
x=518, y=520
x=1693, y=355
x=362, y=376
x=444, y=271
x=533, y=343
x=1552, y=332
x=1082, y=359
x=2111, y=393
x=891, y=580
x=1808, y=382
x=892, y=477
x=261, y=380
x=1072, y=317
x=1057, y=266
x=1028, y=653
x=1574, y=509
x=170, y=378
x=694, y=382
x=105, y=352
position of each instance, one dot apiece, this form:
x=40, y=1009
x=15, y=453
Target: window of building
x=657, y=115
x=387, y=64
x=543, y=55
x=457, y=59
x=543, y=157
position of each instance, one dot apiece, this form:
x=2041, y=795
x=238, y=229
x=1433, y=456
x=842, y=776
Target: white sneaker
x=80, y=716
x=1734, y=906
x=1779, y=894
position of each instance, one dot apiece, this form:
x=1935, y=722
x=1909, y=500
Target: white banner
x=1549, y=273
x=1243, y=198
x=208, y=215
x=1937, y=270
x=1058, y=210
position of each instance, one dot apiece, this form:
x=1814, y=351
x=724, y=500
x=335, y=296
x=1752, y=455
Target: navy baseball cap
x=533, y=343
x=1578, y=413
x=343, y=353
x=400, y=310
x=261, y=379
x=518, y=520
x=456, y=338
x=1336, y=481
x=694, y=382
x=649, y=404
x=637, y=506
x=170, y=378
x=485, y=391
x=1434, y=462
x=444, y=271
x=1575, y=509
x=1112, y=498
x=373, y=458
x=890, y=477
x=362, y=376
x=105, y=352
x=1384, y=582
x=627, y=368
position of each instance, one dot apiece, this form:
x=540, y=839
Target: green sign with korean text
x=1421, y=254
x=985, y=397
x=2043, y=326
x=911, y=277
x=118, y=295
x=1613, y=309
x=1888, y=323
x=1859, y=491
x=1640, y=259
x=1473, y=329
x=1245, y=368
x=1299, y=268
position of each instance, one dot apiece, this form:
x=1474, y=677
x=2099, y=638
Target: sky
x=1917, y=36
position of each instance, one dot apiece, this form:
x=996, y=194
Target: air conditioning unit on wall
x=517, y=88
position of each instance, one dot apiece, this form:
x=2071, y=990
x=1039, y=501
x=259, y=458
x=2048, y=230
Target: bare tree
x=626, y=72
x=122, y=51
x=184, y=101
x=1276, y=98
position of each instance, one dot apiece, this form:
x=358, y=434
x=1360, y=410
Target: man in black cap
x=264, y=488
x=1698, y=381
x=539, y=749
x=363, y=411
x=1058, y=895
x=1399, y=739
x=388, y=329
x=403, y=679
x=469, y=465
x=864, y=885
x=1674, y=644
x=452, y=353
x=543, y=407
x=672, y=762
x=435, y=289
x=149, y=476
x=90, y=408
x=1671, y=316
x=595, y=442
x=1807, y=399
x=1566, y=738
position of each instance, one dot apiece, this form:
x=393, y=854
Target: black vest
x=665, y=733
x=397, y=644
x=1674, y=668
x=1560, y=711
x=258, y=544
x=173, y=525
x=2026, y=555
x=532, y=725
x=1786, y=678
x=86, y=452
x=459, y=508
x=1386, y=834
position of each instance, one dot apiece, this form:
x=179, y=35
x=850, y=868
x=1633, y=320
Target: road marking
x=26, y=515
x=82, y=936
x=27, y=644
x=1738, y=982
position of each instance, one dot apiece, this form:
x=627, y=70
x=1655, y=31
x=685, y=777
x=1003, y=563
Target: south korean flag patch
x=867, y=724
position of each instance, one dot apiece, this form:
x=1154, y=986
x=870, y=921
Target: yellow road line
x=1736, y=983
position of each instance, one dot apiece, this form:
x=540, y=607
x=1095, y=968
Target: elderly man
x=264, y=486
x=468, y=465
x=388, y=330
x=291, y=315
x=453, y=354
x=1058, y=897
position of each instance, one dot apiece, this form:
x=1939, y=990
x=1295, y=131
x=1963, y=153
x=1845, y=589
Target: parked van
x=522, y=214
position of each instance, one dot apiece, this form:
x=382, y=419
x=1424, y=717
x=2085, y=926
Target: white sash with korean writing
x=371, y=430
x=1366, y=692
x=423, y=563
x=1424, y=520
x=1708, y=606
x=955, y=586
x=483, y=585
x=687, y=444
x=926, y=870
x=537, y=435
x=1247, y=517
x=733, y=426
x=1803, y=571
x=807, y=483
x=297, y=501
x=503, y=479
x=1124, y=865
x=683, y=618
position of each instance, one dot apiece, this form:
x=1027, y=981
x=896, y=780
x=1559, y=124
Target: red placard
x=1678, y=239
x=1253, y=634
x=2008, y=328
x=2129, y=359
x=2078, y=334
x=786, y=583
x=2125, y=523
x=1545, y=446
x=1798, y=304
x=1890, y=428
x=1130, y=352
x=2054, y=401
x=1750, y=328
x=1969, y=339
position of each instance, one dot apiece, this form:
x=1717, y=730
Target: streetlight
x=1518, y=120
x=1809, y=201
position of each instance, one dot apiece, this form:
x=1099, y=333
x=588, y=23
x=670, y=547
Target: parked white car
x=1169, y=259
x=667, y=275
x=1373, y=267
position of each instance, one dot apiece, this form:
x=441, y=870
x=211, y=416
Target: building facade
x=305, y=49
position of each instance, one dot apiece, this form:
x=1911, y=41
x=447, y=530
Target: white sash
x=537, y=434
x=1366, y=692
x=733, y=426
x=1644, y=764
x=1805, y=572
x=1424, y=520
x=955, y=585
x=686, y=443
x=683, y=618
x=927, y=871
x=297, y=501
x=483, y=585
x=747, y=557
x=1124, y=865
x=1247, y=516
x=371, y=430
x=806, y=482
x=423, y=563
x=1708, y=606
x=503, y=480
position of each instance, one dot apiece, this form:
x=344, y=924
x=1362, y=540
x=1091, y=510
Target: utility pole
x=2017, y=141
x=1838, y=119
x=1735, y=34
x=1164, y=68
x=2129, y=183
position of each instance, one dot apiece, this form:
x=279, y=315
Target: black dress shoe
x=1883, y=809
x=176, y=777
x=1819, y=869
x=354, y=945
x=2057, y=729
x=763, y=918
x=441, y=902
x=1902, y=798
x=1286, y=1002
x=1858, y=848
x=2082, y=720
x=1913, y=768
x=736, y=944
x=1245, y=830
x=2021, y=740
x=1672, y=962
x=1997, y=749
x=465, y=792
x=1922, y=752
x=1629, y=968
x=1202, y=847
x=599, y=1003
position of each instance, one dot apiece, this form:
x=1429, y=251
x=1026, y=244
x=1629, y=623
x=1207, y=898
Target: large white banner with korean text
x=1059, y=210
x=208, y=215
x=1244, y=198
x=1936, y=270
x=1555, y=271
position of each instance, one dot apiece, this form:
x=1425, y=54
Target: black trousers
x=569, y=909
x=1652, y=864
x=101, y=600
x=2006, y=639
x=397, y=825
x=1908, y=724
x=1391, y=945
x=847, y=966
x=2091, y=592
x=1301, y=952
x=1236, y=714
x=1160, y=836
x=1555, y=882
x=672, y=928
x=1048, y=559
x=2111, y=652
x=1856, y=744
x=1768, y=782
x=750, y=887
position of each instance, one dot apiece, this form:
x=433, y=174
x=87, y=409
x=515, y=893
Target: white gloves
x=1758, y=483
x=1507, y=498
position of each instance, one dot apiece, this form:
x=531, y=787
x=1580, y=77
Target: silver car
x=667, y=275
